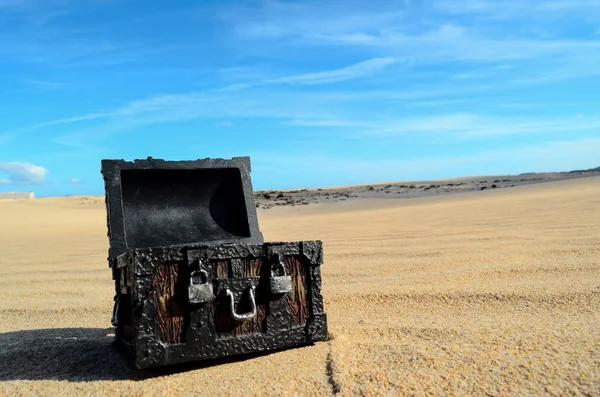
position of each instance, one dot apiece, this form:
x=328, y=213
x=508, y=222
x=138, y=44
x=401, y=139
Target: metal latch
x=281, y=283
x=245, y=316
x=200, y=292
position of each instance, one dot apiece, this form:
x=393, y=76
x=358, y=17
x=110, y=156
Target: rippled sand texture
x=494, y=292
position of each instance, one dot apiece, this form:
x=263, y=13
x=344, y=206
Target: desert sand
x=492, y=292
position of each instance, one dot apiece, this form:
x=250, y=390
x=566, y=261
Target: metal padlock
x=282, y=283
x=203, y=292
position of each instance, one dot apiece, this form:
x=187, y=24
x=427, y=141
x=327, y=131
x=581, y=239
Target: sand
x=482, y=293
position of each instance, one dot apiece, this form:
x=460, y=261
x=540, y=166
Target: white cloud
x=23, y=173
x=75, y=181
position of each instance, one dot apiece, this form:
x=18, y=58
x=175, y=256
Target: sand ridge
x=494, y=292
x=409, y=189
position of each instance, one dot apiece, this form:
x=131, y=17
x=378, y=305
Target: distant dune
x=493, y=292
x=410, y=189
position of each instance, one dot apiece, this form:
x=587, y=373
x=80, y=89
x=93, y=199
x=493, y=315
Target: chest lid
x=153, y=202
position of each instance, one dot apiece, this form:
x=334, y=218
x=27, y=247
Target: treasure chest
x=194, y=279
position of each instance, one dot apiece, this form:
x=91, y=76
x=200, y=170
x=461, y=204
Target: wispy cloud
x=276, y=20
x=483, y=73
x=21, y=173
x=449, y=127
x=458, y=126
x=453, y=43
x=275, y=106
x=70, y=120
x=360, y=69
x=329, y=109
x=219, y=103
x=358, y=21
x=397, y=29
x=357, y=70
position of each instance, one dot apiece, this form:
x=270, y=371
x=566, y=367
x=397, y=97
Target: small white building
x=16, y=195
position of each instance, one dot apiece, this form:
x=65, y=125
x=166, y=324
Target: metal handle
x=244, y=316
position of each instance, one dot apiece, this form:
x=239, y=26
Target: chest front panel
x=210, y=302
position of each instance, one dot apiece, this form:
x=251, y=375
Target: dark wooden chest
x=193, y=278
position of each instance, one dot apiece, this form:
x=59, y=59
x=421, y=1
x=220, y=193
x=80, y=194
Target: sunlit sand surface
x=483, y=293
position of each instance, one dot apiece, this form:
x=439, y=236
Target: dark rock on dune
x=591, y=170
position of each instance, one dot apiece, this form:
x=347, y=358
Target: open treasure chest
x=194, y=279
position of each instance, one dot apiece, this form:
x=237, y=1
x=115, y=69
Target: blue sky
x=316, y=92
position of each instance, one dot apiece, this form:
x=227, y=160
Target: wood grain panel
x=170, y=300
x=218, y=269
x=298, y=299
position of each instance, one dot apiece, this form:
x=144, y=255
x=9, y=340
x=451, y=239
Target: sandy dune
x=494, y=292
x=410, y=189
